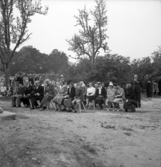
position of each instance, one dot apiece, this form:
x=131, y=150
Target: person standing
x=149, y=88
x=136, y=86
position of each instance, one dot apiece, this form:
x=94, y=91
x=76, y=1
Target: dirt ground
x=92, y=139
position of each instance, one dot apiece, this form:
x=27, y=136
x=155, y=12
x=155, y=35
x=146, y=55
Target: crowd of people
x=40, y=92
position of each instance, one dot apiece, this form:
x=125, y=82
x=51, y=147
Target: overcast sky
x=134, y=26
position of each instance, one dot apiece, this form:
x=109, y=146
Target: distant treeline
x=108, y=67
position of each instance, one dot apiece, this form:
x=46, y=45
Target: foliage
x=92, y=33
x=15, y=15
x=109, y=67
x=116, y=68
x=31, y=60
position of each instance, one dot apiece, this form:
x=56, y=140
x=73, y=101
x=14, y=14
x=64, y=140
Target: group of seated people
x=69, y=96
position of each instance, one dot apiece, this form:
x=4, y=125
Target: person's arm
x=87, y=92
x=72, y=92
x=104, y=93
x=51, y=90
x=41, y=91
x=93, y=92
x=64, y=92
x=107, y=93
x=120, y=94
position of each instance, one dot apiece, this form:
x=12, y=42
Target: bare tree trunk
x=7, y=74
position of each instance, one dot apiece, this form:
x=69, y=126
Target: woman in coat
x=49, y=94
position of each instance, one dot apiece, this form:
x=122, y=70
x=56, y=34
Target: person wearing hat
x=111, y=92
x=100, y=95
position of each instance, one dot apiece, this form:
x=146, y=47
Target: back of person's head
x=82, y=83
x=128, y=86
x=47, y=81
x=78, y=85
x=37, y=83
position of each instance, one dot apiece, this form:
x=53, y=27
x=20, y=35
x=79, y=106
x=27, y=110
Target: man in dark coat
x=100, y=95
x=130, y=99
x=149, y=88
x=71, y=91
x=69, y=97
x=37, y=95
x=20, y=78
x=29, y=91
x=136, y=85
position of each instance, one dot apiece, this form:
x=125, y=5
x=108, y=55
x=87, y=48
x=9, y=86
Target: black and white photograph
x=80, y=83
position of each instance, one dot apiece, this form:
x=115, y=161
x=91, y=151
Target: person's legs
x=13, y=101
x=132, y=107
x=32, y=101
x=23, y=100
x=126, y=106
x=87, y=101
x=74, y=105
x=98, y=101
x=18, y=101
x=101, y=103
x=78, y=102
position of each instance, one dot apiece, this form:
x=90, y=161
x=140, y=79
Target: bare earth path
x=93, y=139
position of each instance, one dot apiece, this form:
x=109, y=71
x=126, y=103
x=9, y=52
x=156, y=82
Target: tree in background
x=31, y=60
x=28, y=60
x=57, y=62
x=92, y=33
x=15, y=15
x=107, y=68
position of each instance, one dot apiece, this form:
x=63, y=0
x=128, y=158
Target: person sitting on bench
x=119, y=97
x=111, y=92
x=78, y=98
x=37, y=95
x=69, y=97
x=100, y=95
x=130, y=99
x=49, y=94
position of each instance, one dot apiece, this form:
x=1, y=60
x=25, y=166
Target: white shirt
x=99, y=90
x=91, y=91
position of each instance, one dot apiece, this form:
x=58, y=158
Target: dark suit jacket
x=50, y=89
x=71, y=92
x=130, y=94
x=20, y=80
x=103, y=92
x=39, y=90
x=29, y=90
